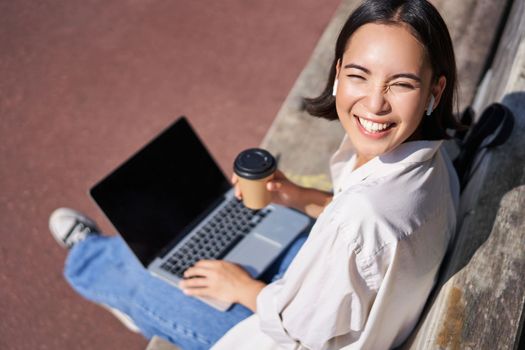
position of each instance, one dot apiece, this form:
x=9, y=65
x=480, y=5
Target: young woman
x=363, y=274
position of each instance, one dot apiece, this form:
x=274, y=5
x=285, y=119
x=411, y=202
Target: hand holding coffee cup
x=254, y=167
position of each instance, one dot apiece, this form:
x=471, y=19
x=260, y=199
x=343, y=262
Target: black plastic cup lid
x=254, y=164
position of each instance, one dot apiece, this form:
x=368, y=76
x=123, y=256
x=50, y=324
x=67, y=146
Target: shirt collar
x=407, y=153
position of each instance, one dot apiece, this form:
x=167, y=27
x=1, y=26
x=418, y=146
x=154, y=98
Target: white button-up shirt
x=361, y=279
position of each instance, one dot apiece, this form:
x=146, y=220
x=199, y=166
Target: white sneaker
x=69, y=226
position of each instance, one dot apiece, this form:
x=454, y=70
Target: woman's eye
x=356, y=76
x=403, y=85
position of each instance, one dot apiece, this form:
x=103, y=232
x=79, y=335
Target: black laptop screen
x=153, y=197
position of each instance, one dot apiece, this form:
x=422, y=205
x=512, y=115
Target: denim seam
x=176, y=328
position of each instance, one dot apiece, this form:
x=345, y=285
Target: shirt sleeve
x=322, y=296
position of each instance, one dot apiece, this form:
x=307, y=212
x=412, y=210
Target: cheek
x=352, y=90
x=409, y=109
x=346, y=98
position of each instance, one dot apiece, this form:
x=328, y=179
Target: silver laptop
x=173, y=206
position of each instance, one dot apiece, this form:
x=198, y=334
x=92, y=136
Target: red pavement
x=83, y=85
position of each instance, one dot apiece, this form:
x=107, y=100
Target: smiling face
x=384, y=87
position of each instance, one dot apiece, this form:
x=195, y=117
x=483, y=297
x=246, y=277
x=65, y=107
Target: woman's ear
x=336, y=79
x=337, y=68
x=437, y=89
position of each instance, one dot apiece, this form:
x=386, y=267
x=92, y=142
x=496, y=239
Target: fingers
x=273, y=185
x=204, y=268
x=198, y=282
x=199, y=279
x=199, y=286
x=279, y=182
x=201, y=268
x=216, y=279
x=238, y=193
x=197, y=292
x=209, y=264
x=193, y=272
x=196, y=279
x=235, y=182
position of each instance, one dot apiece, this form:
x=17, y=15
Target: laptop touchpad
x=254, y=253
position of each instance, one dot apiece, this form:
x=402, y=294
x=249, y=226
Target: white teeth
x=373, y=127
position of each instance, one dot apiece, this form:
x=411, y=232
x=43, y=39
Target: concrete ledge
x=481, y=291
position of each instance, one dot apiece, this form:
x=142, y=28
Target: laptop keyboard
x=215, y=239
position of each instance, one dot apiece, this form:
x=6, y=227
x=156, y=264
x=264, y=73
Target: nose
x=376, y=101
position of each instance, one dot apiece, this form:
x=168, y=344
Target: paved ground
x=83, y=85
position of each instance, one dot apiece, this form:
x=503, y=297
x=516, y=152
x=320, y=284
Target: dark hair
x=428, y=27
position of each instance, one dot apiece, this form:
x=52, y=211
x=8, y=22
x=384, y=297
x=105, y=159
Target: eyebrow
x=356, y=66
x=395, y=76
x=407, y=75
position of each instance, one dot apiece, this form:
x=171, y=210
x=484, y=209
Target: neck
x=361, y=160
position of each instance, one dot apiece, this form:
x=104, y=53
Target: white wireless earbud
x=430, y=107
x=334, y=89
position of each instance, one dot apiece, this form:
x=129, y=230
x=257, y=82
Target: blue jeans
x=103, y=270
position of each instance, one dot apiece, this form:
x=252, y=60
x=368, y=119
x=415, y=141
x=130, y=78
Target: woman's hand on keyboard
x=221, y=280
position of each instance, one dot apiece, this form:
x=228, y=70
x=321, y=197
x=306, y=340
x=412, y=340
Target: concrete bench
x=479, y=299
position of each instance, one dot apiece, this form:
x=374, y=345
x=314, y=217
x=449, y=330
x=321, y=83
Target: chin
x=370, y=148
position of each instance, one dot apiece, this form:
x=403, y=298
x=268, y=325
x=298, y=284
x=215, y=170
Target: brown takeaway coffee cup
x=255, y=167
